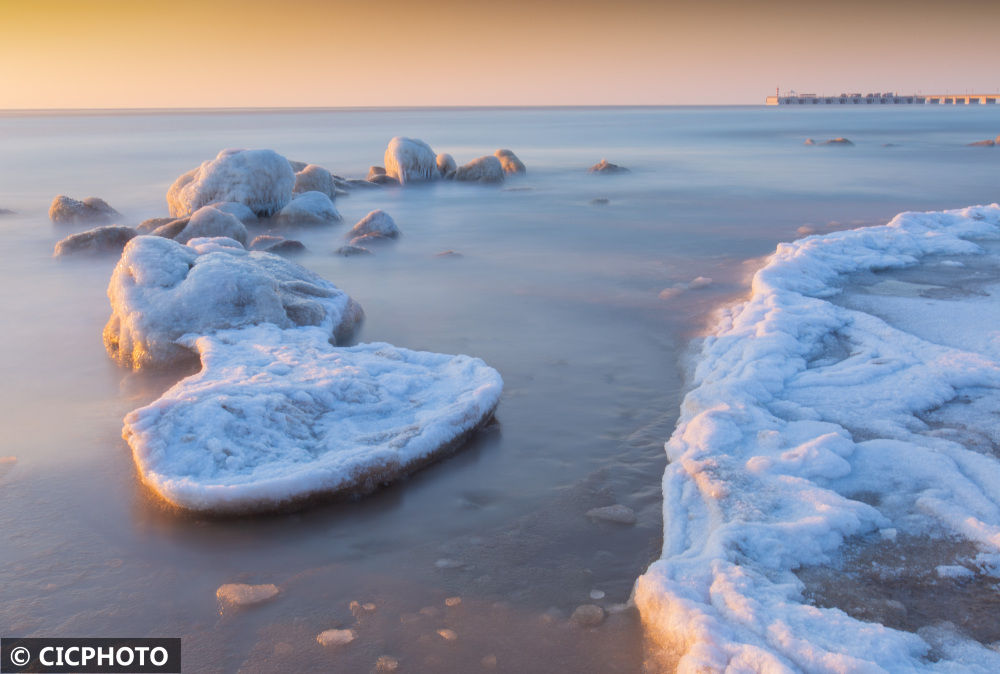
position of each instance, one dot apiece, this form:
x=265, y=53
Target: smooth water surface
x=561, y=295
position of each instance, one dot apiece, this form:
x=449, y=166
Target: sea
x=584, y=291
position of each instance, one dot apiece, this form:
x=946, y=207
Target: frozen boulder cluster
x=279, y=414
x=408, y=160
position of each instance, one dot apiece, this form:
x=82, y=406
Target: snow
x=410, y=160
x=309, y=209
x=209, y=221
x=276, y=417
x=804, y=398
x=484, y=170
x=261, y=180
x=161, y=290
x=91, y=210
x=376, y=225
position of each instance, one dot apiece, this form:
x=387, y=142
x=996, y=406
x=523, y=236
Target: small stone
x=445, y=563
x=588, y=615
x=452, y=601
x=241, y=594
x=333, y=638
x=386, y=663
x=489, y=661
x=597, y=594
x=447, y=634
x=617, y=513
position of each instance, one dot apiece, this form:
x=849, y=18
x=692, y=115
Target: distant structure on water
x=887, y=98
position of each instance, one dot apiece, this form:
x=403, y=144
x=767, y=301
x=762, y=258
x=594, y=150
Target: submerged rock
x=588, y=615
x=983, y=143
x=600, y=201
x=91, y=210
x=838, y=141
x=606, y=167
x=261, y=180
x=209, y=221
x=510, y=163
x=107, y=239
x=240, y=594
x=172, y=228
x=484, y=170
x=309, y=209
x=376, y=225
x=409, y=160
x=352, y=251
x=152, y=224
x=277, y=245
x=617, y=513
x=277, y=417
x=315, y=178
x=161, y=290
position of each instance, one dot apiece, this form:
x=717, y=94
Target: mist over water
x=561, y=295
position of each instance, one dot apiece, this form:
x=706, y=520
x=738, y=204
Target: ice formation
x=309, y=209
x=276, y=417
x=803, y=412
x=409, y=160
x=107, y=239
x=162, y=290
x=208, y=222
x=376, y=225
x=262, y=180
x=315, y=178
x=484, y=170
x=510, y=163
x=91, y=210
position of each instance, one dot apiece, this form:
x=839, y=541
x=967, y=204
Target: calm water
x=560, y=295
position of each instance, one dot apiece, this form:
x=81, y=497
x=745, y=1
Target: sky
x=314, y=53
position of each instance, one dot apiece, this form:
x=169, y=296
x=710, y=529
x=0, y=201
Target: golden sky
x=252, y=53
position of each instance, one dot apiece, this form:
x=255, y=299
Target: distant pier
x=884, y=99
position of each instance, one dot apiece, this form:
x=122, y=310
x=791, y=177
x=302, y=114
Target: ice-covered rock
x=241, y=211
x=171, y=228
x=262, y=180
x=588, y=615
x=334, y=638
x=315, y=178
x=409, y=160
x=446, y=164
x=376, y=225
x=241, y=594
x=276, y=417
x=107, y=239
x=309, y=209
x=377, y=176
x=484, y=170
x=606, y=167
x=510, y=163
x=276, y=244
x=161, y=290
x=208, y=222
x=152, y=224
x=92, y=211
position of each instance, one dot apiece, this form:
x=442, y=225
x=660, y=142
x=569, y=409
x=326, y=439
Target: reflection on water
x=562, y=296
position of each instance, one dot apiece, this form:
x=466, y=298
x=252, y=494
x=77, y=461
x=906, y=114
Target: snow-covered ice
x=162, y=290
x=261, y=180
x=808, y=424
x=308, y=209
x=278, y=416
x=409, y=160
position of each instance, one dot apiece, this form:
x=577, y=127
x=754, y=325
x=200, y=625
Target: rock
x=484, y=170
x=278, y=418
x=161, y=290
x=277, y=245
x=450, y=254
x=617, y=513
x=983, y=143
x=240, y=594
x=386, y=663
x=446, y=165
x=448, y=634
x=172, y=228
x=240, y=211
x=375, y=172
x=838, y=141
x=208, y=221
x=604, y=166
x=699, y=283
x=383, y=180
x=600, y=201
x=335, y=638
x=89, y=211
x=489, y=661
x=588, y=615
x=151, y=225
x=376, y=225
x=107, y=239
x=809, y=141
x=261, y=180
x=409, y=160
x=452, y=601
x=357, y=182
x=297, y=165
x=315, y=178
x=597, y=594
x=6, y=211
x=509, y=162
x=308, y=209
x=352, y=251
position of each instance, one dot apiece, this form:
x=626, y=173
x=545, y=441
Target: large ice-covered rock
x=208, y=222
x=107, y=239
x=276, y=417
x=314, y=178
x=484, y=170
x=308, y=209
x=510, y=163
x=376, y=225
x=161, y=290
x=409, y=160
x=91, y=211
x=262, y=180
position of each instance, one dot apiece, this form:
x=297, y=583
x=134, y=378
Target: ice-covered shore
x=813, y=421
